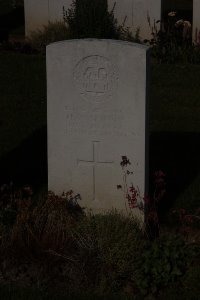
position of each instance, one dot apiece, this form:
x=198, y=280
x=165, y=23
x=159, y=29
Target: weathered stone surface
x=196, y=21
x=39, y=12
x=137, y=14
x=96, y=93
x=36, y=15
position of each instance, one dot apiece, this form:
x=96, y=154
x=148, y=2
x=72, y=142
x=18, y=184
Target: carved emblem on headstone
x=95, y=77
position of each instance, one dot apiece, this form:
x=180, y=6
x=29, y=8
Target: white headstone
x=39, y=13
x=56, y=9
x=36, y=15
x=137, y=14
x=196, y=21
x=96, y=91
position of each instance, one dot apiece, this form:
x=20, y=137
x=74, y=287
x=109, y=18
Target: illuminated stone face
x=96, y=93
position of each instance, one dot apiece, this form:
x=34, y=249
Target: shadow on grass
x=16, y=293
x=177, y=155
x=27, y=164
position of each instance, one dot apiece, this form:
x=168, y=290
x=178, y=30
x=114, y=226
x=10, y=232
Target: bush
x=163, y=262
x=173, y=42
x=191, y=281
x=90, y=19
x=52, y=242
x=58, y=243
x=187, y=289
x=109, y=246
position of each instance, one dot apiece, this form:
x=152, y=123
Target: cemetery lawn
x=175, y=98
x=23, y=98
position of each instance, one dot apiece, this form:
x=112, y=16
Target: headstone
x=38, y=13
x=196, y=21
x=96, y=91
x=141, y=14
x=56, y=9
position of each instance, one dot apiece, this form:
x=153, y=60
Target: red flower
x=132, y=189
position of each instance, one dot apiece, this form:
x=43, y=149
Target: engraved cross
x=94, y=163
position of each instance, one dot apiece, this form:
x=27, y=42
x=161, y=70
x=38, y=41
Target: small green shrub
x=163, y=262
x=187, y=288
x=103, y=254
x=53, y=32
x=111, y=244
x=173, y=42
x=191, y=281
x=45, y=224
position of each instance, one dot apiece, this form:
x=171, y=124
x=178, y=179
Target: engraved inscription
x=90, y=124
x=94, y=163
x=95, y=77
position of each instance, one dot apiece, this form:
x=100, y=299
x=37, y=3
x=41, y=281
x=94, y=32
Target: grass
x=53, y=251
x=174, y=98
x=23, y=98
x=22, y=115
x=175, y=131
x=14, y=293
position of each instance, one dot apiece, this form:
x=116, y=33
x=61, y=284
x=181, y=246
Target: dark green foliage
x=93, y=254
x=167, y=51
x=173, y=42
x=191, y=281
x=11, y=292
x=111, y=244
x=186, y=289
x=163, y=262
x=91, y=19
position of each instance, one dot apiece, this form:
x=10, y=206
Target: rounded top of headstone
x=91, y=40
